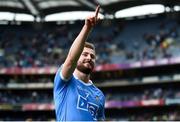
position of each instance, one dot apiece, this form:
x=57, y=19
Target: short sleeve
x=60, y=81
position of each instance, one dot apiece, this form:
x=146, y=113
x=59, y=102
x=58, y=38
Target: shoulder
x=61, y=77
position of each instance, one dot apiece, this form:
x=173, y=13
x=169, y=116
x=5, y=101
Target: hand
x=93, y=20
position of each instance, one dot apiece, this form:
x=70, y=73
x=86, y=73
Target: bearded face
x=86, y=61
x=85, y=66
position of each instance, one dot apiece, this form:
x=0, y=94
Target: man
x=75, y=96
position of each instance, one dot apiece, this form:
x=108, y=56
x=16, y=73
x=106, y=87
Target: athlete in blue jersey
x=76, y=98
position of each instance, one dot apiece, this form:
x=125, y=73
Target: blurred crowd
x=47, y=45
x=45, y=96
x=46, y=84
x=163, y=116
x=147, y=94
x=19, y=97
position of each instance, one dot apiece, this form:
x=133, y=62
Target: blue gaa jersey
x=76, y=100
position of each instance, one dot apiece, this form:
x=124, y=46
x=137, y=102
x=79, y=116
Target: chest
x=86, y=98
x=88, y=94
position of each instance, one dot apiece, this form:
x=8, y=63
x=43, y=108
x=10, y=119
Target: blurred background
x=138, y=56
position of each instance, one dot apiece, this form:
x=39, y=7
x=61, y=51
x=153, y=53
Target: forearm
x=78, y=44
x=75, y=52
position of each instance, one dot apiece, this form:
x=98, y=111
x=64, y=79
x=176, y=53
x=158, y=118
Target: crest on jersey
x=97, y=98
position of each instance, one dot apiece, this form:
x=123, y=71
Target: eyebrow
x=89, y=53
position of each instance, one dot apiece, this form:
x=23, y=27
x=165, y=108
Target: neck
x=82, y=76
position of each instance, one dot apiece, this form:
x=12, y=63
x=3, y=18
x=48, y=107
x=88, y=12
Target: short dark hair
x=89, y=45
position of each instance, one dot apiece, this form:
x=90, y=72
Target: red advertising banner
x=37, y=106
x=152, y=102
x=106, y=67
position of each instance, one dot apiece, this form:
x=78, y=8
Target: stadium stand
x=137, y=67
x=145, y=43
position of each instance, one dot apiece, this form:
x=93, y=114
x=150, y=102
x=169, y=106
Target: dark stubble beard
x=84, y=69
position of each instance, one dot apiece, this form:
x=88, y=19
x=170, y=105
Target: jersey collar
x=86, y=84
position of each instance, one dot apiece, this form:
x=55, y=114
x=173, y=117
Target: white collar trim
x=86, y=84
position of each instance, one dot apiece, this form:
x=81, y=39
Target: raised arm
x=78, y=45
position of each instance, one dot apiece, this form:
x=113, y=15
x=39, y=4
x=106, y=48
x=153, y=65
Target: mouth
x=89, y=64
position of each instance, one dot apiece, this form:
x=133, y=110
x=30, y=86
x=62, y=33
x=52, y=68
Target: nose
x=89, y=57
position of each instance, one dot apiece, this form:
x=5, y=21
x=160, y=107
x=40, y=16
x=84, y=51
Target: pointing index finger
x=97, y=11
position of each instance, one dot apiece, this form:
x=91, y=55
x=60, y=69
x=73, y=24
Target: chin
x=88, y=67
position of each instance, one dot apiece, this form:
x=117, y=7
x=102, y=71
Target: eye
x=92, y=56
x=84, y=54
